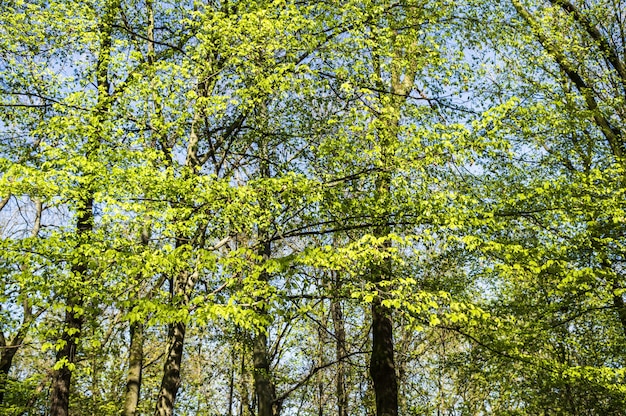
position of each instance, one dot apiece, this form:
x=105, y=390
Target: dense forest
x=285, y=207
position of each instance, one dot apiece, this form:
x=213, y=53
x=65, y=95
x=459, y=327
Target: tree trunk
x=171, y=370
x=382, y=366
x=6, y=361
x=74, y=308
x=263, y=385
x=340, y=352
x=72, y=326
x=135, y=366
x=66, y=358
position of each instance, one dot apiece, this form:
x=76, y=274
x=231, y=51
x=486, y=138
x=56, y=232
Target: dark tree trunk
x=340, y=352
x=382, y=366
x=263, y=385
x=72, y=324
x=135, y=366
x=6, y=361
x=66, y=359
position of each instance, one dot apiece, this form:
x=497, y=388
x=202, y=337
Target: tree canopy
x=265, y=208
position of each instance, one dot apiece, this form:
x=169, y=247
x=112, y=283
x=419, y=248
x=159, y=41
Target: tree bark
x=382, y=365
x=182, y=286
x=171, y=370
x=6, y=361
x=135, y=367
x=340, y=352
x=263, y=385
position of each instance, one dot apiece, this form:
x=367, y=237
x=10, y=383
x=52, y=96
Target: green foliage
x=257, y=167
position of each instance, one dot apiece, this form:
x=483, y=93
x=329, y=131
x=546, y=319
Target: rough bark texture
x=171, y=370
x=135, y=366
x=382, y=365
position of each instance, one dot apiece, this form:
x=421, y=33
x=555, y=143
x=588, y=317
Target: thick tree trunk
x=135, y=367
x=263, y=385
x=6, y=361
x=66, y=359
x=171, y=370
x=382, y=366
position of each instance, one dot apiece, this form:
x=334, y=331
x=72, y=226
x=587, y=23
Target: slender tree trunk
x=263, y=385
x=340, y=352
x=170, y=383
x=245, y=408
x=231, y=383
x=322, y=341
x=74, y=308
x=73, y=324
x=135, y=351
x=382, y=363
x=135, y=367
